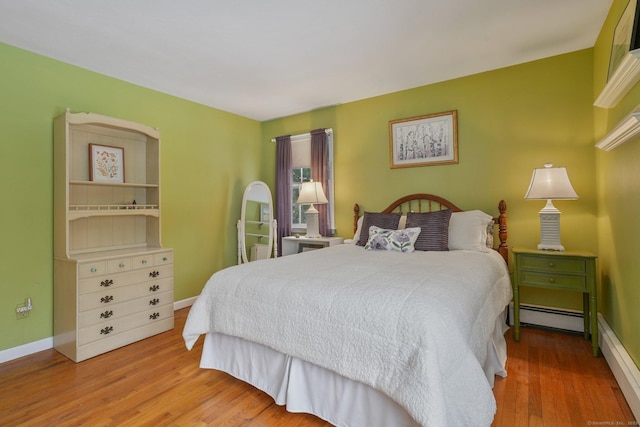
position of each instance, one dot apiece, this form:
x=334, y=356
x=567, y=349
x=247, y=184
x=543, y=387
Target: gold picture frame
x=427, y=140
x=106, y=163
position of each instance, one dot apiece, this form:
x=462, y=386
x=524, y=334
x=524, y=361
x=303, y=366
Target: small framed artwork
x=265, y=215
x=625, y=36
x=426, y=140
x=106, y=164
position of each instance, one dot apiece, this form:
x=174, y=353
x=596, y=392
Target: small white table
x=293, y=245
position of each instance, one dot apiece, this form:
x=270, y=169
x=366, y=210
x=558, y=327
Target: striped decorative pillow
x=434, y=234
x=388, y=221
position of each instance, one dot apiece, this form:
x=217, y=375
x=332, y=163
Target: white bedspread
x=412, y=325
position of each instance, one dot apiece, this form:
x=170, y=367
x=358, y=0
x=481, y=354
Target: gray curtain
x=319, y=173
x=283, y=188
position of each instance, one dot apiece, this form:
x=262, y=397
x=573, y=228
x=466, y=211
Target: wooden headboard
x=428, y=203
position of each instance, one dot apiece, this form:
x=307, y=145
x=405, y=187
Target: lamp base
x=545, y=247
x=550, y=228
x=311, y=216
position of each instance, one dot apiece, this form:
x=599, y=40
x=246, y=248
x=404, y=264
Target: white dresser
x=113, y=280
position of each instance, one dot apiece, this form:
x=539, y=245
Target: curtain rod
x=294, y=138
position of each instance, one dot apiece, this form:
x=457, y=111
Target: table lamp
x=311, y=193
x=549, y=184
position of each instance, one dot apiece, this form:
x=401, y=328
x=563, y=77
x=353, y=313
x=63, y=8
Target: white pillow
x=468, y=230
x=356, y=236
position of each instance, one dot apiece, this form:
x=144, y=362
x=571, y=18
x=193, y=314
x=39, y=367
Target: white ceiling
x=267, y=59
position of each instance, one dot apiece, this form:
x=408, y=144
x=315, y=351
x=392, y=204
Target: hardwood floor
x=553, y=381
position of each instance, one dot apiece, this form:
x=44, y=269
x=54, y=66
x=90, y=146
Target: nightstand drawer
x=552, y=264
x=571, y=283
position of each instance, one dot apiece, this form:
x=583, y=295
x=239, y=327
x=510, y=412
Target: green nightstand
x=565, y=271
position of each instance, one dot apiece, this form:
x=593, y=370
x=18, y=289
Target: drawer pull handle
x=551, y=264
x=154, y=301
x=106, y=314
x=144, y=262
x=121, y=265
x=93, y=269
x=154, y=288
x=552, y=280
x=164, y=258
x=107, y=330
x=154, y=316
x=154, y=274
x=106, y=283
x=106, y=299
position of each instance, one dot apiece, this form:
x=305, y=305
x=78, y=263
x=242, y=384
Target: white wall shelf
x=625, y=130
x=623, y=79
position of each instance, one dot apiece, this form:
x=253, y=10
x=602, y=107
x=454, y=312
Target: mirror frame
x=263, y=197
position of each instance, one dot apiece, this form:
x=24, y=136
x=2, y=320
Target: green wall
x=208, y=157
x=618, y=185
x=510, y=121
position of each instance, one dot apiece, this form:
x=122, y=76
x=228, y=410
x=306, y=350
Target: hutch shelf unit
x=113, y=280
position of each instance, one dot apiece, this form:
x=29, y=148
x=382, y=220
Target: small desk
x=565, y=271
x=293, y=245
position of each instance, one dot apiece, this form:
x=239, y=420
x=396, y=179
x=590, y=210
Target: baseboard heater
x=549, y=317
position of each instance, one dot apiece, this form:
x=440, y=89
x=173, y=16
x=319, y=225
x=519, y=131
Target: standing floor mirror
x=256, y=227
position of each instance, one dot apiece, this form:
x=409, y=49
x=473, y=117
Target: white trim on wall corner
x=47, y=343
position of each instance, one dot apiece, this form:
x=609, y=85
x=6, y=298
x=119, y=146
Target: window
x=298, y=220
x=301, y=172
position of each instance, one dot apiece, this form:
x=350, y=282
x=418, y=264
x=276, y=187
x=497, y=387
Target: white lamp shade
x=311, y=192
x=550, y=183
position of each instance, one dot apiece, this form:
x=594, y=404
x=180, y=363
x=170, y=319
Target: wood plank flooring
x=553, y=381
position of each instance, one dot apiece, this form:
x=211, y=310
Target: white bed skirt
x=304, y=387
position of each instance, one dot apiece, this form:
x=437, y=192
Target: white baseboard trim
x=47, y=343
x=624, y=369
x=26, y=349
x=184, y=303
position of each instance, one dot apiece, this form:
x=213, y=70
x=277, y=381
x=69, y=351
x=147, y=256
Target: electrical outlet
x=22, y=311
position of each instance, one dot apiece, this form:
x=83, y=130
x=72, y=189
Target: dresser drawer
x=116, y=311
x=115, y=326
x=163, y=258
x=110, y=297
x=115, y=280
x=92, y=269
x=153, y=259
x=552, y=264
x=571, y=283
x=119, y=265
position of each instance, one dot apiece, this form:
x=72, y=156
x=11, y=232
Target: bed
x=361, y=335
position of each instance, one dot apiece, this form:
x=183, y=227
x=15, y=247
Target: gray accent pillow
x=434, y=234
x=388, y=221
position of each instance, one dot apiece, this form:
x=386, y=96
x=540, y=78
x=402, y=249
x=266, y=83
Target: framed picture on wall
x=106, y=164
x=265, y=215
x=625, y=36
x=426, y=140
